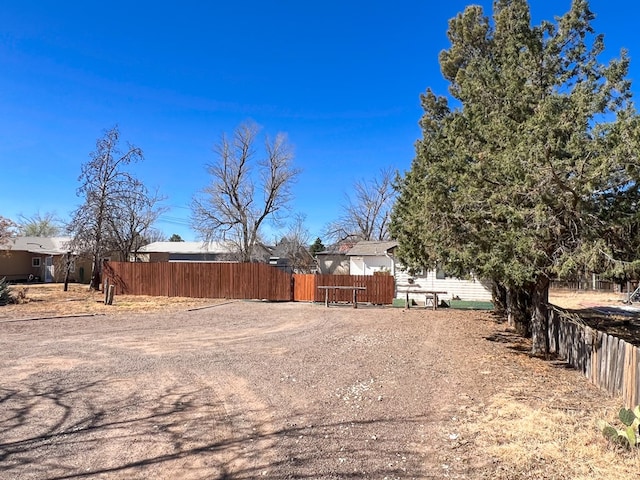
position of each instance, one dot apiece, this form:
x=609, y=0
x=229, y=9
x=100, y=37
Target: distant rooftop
x=187, y=247
x=43, y=245
x=372, y=248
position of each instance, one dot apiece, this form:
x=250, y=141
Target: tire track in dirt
x=249, y=390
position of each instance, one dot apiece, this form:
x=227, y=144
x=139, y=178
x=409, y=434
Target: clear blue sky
x=342, y=78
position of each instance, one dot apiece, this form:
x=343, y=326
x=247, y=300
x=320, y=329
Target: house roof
x=42, y=245
x=286, y=248
x=187, y=247
x=366, y=248
x=338, y=249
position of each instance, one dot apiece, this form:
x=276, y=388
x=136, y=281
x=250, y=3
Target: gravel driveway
x=243, y=390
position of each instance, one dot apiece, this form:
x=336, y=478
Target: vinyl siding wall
x=455, y=287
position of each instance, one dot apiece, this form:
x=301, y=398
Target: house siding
x=473, y=289
x=368, y=265
x=333, y=264
x=16, y=267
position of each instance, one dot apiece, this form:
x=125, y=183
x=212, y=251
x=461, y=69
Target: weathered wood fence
x=607, y=361
x=239, y=280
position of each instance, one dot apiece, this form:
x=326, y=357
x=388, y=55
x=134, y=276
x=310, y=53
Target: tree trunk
x=499, y=299
x=519, y=310
x=67, y=267
x=95, y=274
x=540, y=317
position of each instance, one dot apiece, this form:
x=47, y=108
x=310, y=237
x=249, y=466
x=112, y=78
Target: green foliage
x=5, y=292
x=531, y=172
x=46, y=225
x=628, y=436
x=316, y=247
x=175, y=238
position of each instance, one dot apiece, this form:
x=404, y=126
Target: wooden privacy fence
x=380, y=289
x=240, y=280
x=607, y=361
x=200, y=280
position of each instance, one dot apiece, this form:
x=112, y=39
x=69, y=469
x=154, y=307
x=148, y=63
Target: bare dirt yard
x=202, y=389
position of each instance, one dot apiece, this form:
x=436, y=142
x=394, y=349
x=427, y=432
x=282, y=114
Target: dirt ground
x=201, y=389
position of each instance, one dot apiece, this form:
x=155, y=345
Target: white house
x=367, y=258
x=439, y=281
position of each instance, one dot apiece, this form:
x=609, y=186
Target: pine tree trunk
x=499, y=299
x=519, y=310
x=540, y=317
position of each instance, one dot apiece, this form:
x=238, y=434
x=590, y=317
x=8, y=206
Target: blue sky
x=341, y=78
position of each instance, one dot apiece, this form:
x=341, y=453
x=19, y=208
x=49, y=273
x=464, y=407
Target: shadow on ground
x=54, y=432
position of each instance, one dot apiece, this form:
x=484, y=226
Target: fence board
x=304, y=287
x=607, y=361
x=240, y=280
x=200, y=280
x=635, y=374
x=380, y=289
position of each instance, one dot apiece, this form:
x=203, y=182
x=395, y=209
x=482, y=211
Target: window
x=35, y=262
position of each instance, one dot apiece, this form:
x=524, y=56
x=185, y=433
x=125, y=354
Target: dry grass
x=574, y=300
x=548, y=441
x=544, y=426
x=50, y=300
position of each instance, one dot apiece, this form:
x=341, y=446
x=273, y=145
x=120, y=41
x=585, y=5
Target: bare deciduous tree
x=295, y=246
x=47, y=225
x=245, y=190
x=132, y=228
x=111, y=196
x=7, y=230
x=366, y=213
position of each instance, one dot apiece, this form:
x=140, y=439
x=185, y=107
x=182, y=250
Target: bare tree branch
x=117, y=207
x=47, y=225
x=7, y=230
x=230, y=208
x=295, y=246
x=366, y=215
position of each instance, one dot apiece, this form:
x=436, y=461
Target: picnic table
x=430, y=296
x=335, y=288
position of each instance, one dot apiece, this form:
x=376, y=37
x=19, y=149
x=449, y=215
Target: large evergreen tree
x=530, y=173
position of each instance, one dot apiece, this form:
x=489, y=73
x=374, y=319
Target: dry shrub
x=20, y=296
